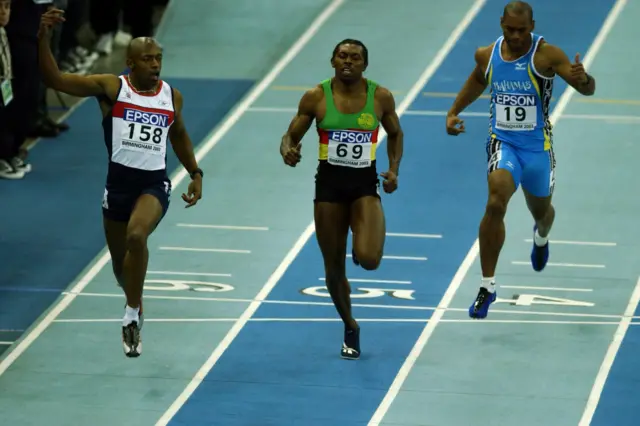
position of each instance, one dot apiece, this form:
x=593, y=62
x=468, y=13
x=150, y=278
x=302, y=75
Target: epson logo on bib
x=516, y=100
x=348, y=136
x=142, y=117
x=516, y=112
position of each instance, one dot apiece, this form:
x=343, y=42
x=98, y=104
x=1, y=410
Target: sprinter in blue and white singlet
x=519, y=69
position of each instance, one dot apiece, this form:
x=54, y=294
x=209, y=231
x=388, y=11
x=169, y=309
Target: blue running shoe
x=539, y=255
x=480, y=307
x=351, y=345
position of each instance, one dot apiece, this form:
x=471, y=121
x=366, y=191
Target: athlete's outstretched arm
x=472, y=89
x=573, y=73
x=75, y=85
x=391, y=124
x=474, y=86
x=290, y=144
x=182, y=146
x=179, y=137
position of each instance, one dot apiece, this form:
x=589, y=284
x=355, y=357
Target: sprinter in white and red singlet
x=141, y=113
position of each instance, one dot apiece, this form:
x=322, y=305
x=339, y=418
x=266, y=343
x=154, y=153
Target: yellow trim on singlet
x=534, y=81
x=489, y=78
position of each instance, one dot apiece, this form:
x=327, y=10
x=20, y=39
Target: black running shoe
x=351, y=344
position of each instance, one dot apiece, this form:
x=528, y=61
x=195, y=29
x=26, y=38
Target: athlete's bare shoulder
x=548, y=51
x=544, y=46
x=316, y=93
x=310, y=100
x=111, y=84
x=383, y=94
x=110, y=80
x=546, y=57
x=85, y=86
x=482, y=56
x=385, y=98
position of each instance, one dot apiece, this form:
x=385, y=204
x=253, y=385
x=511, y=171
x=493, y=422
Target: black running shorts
x=336, y=184
x=118, y=202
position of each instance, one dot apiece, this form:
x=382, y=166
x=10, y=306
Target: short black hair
x=365, y=51
x=518, y=8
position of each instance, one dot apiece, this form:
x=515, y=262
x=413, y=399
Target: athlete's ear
x=533, y=25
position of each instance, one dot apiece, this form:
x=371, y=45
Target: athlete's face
x=349, y=62
x=5, y=12
x=517, y=31
x=146, y=64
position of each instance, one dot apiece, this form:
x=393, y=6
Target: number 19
x=520, y=113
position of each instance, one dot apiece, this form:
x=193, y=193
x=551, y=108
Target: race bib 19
x=516, y=112
x=350, y=148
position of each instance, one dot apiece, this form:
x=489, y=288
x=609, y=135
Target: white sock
x=130, y=315
x=540, y=241
x=489, y=283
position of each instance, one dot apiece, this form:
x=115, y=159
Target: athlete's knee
x=543, y=213
x=497, y=205
x=540, y=207
x=501, y=187
x=137, y=237
x=368, y=258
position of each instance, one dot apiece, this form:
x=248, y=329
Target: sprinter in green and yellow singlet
x=348, y=110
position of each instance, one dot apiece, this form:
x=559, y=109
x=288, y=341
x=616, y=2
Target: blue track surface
x=527, y=365
x=425, y=203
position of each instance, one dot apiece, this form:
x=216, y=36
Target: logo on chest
x=512, y=86
x=515, y=100
x=143, y=117
x=366, y=120
x=350, y=136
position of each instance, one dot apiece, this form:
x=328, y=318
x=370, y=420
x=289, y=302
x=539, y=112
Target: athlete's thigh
x=502, y=156
x=116, y=235
x=146, y=215
x=538, y=180
x=117, y=204
x=368, y=224
x=161, y=192
x=332, y=229
x=150, y=207
x=538, y=172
